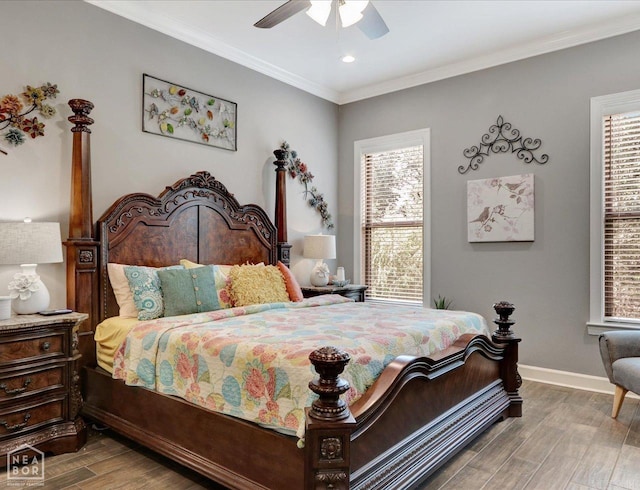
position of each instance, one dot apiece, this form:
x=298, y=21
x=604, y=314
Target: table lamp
x=320, y=247
x=29, y=244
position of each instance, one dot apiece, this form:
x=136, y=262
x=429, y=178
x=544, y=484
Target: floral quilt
x=252, y=362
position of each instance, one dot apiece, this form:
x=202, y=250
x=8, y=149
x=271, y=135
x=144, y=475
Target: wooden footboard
x=418, y=414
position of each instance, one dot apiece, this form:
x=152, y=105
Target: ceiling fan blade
x=372, y=24
x=282, y=13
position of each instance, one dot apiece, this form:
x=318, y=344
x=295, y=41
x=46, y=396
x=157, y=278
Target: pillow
x=121, y=290
x=187, y=291
x=222, y=280
x=187, y=264
x=293, y=288
x=255, y=284
x=147, y=292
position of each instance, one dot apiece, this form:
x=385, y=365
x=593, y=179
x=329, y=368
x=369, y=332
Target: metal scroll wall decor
x=502, y=138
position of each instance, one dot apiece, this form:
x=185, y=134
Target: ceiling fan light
x=319, y=11
x=351, y=11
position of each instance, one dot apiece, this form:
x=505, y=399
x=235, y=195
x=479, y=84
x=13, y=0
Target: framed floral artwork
x=179, y=112
x=501, y=209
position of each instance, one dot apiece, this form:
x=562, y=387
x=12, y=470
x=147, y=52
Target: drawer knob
x=19, y=426
x=15, y=391
x=46, y=346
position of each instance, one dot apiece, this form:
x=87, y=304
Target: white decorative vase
x=5, y=307
x=319, y=274
x=29, y=282
x=38, y=301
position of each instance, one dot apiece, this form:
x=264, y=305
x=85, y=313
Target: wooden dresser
x=39, y=392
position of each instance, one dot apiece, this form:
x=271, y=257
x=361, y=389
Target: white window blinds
x=622, y=216
x=392, y=231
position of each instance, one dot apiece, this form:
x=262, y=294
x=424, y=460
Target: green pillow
x=145, y=288
x=188, y=291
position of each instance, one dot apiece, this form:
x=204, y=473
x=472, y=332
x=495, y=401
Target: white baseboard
x=568, y=379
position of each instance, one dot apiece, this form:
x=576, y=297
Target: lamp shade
x=320, y=247
x=30, y=243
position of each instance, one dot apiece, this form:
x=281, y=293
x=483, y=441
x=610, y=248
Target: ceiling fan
x=351, y=12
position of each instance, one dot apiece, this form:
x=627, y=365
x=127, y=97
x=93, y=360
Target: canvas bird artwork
x=484, y=216
x=501, y=209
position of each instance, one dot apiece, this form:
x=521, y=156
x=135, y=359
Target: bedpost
x=329, y=424
x=82, y=248
x=509, y=367
x=284, y=248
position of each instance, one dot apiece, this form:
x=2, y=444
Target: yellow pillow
x=256, y=284
x=187, y=264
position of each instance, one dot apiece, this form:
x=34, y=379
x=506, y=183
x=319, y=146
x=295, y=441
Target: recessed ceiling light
x=348, y=58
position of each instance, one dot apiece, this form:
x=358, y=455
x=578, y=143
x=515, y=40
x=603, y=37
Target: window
x=615, y=211
x=622, y=216
x=392, y=245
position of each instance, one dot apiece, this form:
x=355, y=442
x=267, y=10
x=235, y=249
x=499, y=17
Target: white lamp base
x=38, y=300
x=319, y=274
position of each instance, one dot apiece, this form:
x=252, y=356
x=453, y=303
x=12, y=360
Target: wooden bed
x=418, y=414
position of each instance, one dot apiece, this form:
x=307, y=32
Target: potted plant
x=442, y=303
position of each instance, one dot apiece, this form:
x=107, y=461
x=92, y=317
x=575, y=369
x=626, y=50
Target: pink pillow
x=293, y=288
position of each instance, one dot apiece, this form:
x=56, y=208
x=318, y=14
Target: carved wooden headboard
x=196, y=219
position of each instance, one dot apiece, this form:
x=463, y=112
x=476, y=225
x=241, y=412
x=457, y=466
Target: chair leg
x=618, y=398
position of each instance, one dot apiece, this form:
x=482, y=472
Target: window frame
x=601, y=107
x=387, y=143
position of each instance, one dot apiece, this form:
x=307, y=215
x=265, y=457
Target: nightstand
x=353, y=291
x=39, y=393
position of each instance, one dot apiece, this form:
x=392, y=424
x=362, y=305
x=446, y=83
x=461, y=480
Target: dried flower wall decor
x=179, y=112
x=14, y=110
x=298, y=169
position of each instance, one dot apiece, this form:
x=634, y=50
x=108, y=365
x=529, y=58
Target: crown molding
x=136, y=12
x=549, y=44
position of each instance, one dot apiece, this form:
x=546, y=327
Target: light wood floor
x=566, y=439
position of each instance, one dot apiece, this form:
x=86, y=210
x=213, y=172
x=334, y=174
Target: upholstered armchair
x=620, y=351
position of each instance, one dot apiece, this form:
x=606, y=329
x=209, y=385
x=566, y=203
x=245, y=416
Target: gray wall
x=93, y=54
x=545, y=97
x=90, y=53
